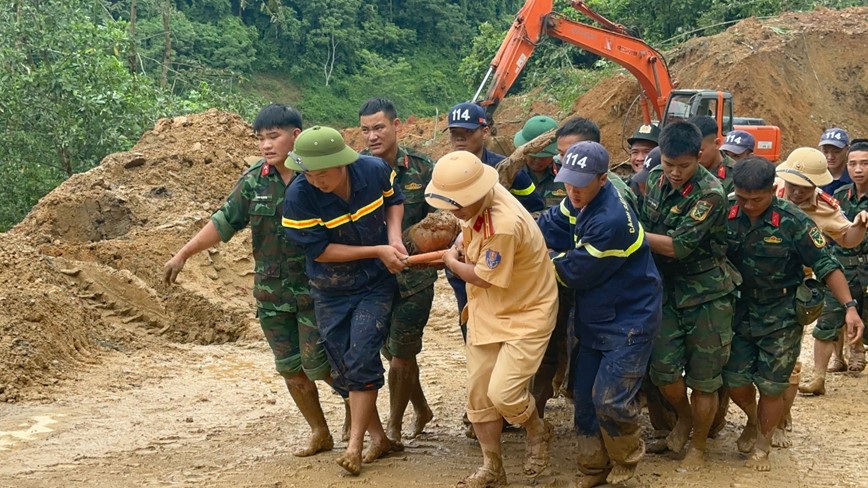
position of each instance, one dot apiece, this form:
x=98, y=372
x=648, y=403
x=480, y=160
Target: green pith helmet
x=319, y=148
x=645, y=132
x=536, y=126
x=809, y=301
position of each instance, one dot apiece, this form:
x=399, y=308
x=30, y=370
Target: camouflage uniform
x=771, y=255
x=724, y=173
x=698, y=283
x=551, y=191
x=412, y=308
x=855, y=262
x=283, y=301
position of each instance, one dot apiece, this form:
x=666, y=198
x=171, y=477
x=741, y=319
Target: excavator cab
x=683, y=104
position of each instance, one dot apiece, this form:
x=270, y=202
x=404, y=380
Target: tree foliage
x=83, y=78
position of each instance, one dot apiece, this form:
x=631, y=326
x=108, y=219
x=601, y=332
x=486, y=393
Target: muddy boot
x=625, y=451
x=816, y=386
x=593, y=461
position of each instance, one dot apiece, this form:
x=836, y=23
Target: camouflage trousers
x=409, y=316
x=831, y=321
x=294, y=341
x=767, y=357
x=693, y=340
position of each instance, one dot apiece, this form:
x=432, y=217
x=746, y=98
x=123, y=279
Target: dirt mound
x=82, y=273
x=803, y=72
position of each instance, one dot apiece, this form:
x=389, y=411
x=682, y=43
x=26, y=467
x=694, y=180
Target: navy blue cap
x=738, y=141
x=583, y=162
x=652, y=160
x=467, y=116
x=835, y=137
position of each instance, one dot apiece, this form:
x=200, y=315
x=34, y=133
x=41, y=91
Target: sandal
x=836, y=365
x=857, y=361
x=538, y=452
x=484, y=478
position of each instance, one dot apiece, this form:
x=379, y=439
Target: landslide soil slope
x=799, y=71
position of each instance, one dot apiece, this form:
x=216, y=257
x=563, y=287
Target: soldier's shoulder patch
x=412, y=186
x=676, y=210
x=828, y=199
x=817, y=237
x=776, y=219
x=492, y=258
x=733, y=212
x=772, y=240
x=700, y=211
x=687, y=189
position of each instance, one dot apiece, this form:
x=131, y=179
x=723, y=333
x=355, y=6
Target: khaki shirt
x=510, y=253
x=825, y=211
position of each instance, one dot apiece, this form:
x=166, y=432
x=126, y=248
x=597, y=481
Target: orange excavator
x=659, y=100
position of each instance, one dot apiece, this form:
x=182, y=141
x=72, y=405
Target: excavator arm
x=612, y=41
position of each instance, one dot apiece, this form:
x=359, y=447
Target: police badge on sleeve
x=492, y=258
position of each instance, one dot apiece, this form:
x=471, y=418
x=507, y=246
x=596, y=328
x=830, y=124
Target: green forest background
x=80, y=79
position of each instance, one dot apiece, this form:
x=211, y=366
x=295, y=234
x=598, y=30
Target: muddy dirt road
x=185, y=415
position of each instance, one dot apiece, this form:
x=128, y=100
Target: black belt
x=765, y=293
x=853, y=261
x=694, y=267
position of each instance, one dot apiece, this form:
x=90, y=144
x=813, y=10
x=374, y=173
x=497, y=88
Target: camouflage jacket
x=772, y=253
x=550, y=191
x=413, y=171
x=694, y=216
x=256, y=200
x=851, y=204
x=724, y=174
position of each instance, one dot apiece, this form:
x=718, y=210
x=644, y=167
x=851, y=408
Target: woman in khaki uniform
x=511, y=307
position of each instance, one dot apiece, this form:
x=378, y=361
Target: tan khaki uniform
x=509, y=323
x=824, y=210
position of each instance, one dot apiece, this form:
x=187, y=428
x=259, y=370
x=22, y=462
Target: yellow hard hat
x=459, y=179
x=805, y=166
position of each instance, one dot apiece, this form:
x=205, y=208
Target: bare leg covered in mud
x=745, y=398
x=703, y=407
x=767, y=414
x=404, y=388
x=491, y=473
x=676, y=395
x=306, y=397
x=363, y=405
x=422, y=410
x=779, y=435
